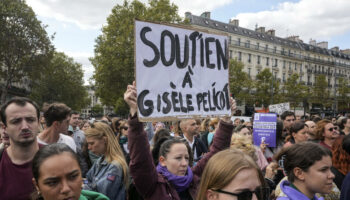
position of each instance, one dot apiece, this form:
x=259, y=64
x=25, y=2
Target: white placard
x=180, y=73
x=279, y=108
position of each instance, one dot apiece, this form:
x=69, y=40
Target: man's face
x=311, y=127
x=5, y=138
x=22, y=124
x=347, y=123
x=289, y=121
x=74, y=120
x=191, y=127
x=62, y=126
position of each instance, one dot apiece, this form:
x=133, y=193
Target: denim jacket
x=106, y=178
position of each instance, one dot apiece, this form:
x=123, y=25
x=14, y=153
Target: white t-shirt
x=65, y=139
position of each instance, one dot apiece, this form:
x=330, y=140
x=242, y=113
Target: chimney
x=271, y=32
x=312, y=42
x=260, y=29
x=234, y=22
x=206, y=15
x=345, y=51
x=323, y=44
x=335, y=48
x=294, y=38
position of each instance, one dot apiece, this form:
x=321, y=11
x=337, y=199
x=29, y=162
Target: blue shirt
x=106, y=178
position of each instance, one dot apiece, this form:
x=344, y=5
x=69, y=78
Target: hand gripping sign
x=180, y=73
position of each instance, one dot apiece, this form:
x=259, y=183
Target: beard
x=25, y=143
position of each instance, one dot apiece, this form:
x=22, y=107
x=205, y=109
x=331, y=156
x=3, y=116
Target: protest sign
x=264, y=129
x=180, y=73
x=279, y=108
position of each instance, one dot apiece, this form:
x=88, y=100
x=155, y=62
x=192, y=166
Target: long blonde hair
x=222, y=168
x=114, y=153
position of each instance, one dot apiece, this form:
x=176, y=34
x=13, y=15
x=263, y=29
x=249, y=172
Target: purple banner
x=264, y=129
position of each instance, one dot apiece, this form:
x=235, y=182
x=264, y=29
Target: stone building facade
x=259, y=49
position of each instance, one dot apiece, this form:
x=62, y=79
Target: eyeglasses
x=125, y=128
x=331, y=129
x=260, y=193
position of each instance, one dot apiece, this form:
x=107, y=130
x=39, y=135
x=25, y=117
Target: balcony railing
x=285, y=53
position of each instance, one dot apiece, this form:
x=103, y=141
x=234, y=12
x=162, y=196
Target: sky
x=77, y=23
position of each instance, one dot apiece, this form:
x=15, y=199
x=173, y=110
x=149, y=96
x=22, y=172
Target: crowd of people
x=51, y=153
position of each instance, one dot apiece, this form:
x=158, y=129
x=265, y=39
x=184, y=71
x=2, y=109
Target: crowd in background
x=51, y=153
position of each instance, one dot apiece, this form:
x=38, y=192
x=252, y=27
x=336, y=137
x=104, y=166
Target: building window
x=240, y=56
x=248, y=71
x=284, y=64
x=230, y=54
x=267, y=61
x=290, y=65
x=301, y=67
x=258, y=71
x=308, y=79
x=284, y=77
x=249, y=57
x=247, y=44
x=266, y=47
x=258, y=60
x=230, y=39
x=239, y=41
x=276, y=62
x=295, y=66
x=275, y=75
x=275, y=49
x=257, y=45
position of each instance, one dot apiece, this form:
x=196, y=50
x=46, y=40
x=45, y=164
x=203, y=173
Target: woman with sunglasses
x=232, y=174
x=326, y=133
x=122, y=138
x=172, y=178
x=308, y=168
x=109, y=174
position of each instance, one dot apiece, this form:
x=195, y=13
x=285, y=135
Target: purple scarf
x=181, y=183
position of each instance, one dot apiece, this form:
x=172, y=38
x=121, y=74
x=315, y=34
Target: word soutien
x=175, y=53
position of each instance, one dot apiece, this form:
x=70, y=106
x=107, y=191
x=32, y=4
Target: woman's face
x=246, y=132
x=96, y=146
x=245, y=180
x=177, y=160
x=59, y=178
x=301, y=135
x=86, y=126
x=318, y=178
x=124, y=129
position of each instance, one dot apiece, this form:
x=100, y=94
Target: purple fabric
x=181, y=183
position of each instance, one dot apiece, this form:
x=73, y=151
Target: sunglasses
x=260, y=193
x=125, y=128
x=331, y=129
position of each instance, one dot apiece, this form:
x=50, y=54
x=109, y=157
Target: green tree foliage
x=62, y=81
x=343, y=92
x=240, y=83
x=25, y=47
x=294, y=91
x=320, y=93
x=114, y=49
x=97, y=110
x=267, y=89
